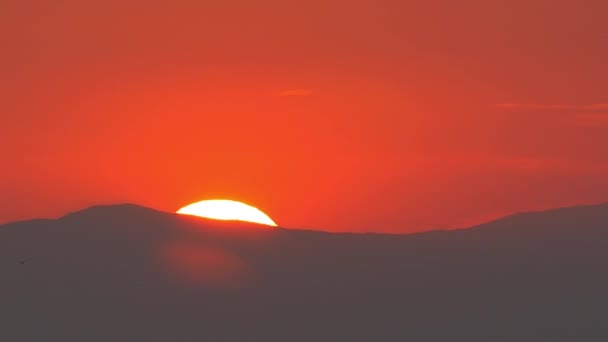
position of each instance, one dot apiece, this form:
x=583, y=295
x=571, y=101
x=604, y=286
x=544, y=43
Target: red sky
x=359, y=115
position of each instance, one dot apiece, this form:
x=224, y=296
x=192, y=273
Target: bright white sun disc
x=227, y=210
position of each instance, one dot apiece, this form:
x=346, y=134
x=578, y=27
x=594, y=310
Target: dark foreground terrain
x=127, y=273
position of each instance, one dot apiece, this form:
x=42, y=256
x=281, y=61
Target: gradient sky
x=359, y=115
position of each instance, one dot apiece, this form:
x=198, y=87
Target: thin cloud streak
x=476, y=162
x=598, y=107
x=591, y=119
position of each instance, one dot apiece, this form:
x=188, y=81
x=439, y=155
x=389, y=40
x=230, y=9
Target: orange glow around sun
x=227, y=210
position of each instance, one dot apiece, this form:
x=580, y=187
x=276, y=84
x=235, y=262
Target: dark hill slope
x=127, y=273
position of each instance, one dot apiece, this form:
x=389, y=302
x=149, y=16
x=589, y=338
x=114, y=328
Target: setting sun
x=227, y=210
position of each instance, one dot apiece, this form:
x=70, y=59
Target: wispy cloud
x=482, y=162
x=295, y=92
x=598, y=107
x=591, y=119
x=580, y=115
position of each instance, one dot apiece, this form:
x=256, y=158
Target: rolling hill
x=128, y=273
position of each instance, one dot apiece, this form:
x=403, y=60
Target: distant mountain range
x=128, y=273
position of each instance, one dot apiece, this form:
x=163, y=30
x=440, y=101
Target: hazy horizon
x=371, y=229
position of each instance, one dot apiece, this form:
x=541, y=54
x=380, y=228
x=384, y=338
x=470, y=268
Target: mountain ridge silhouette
x=130, y=273
x=133, y=208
